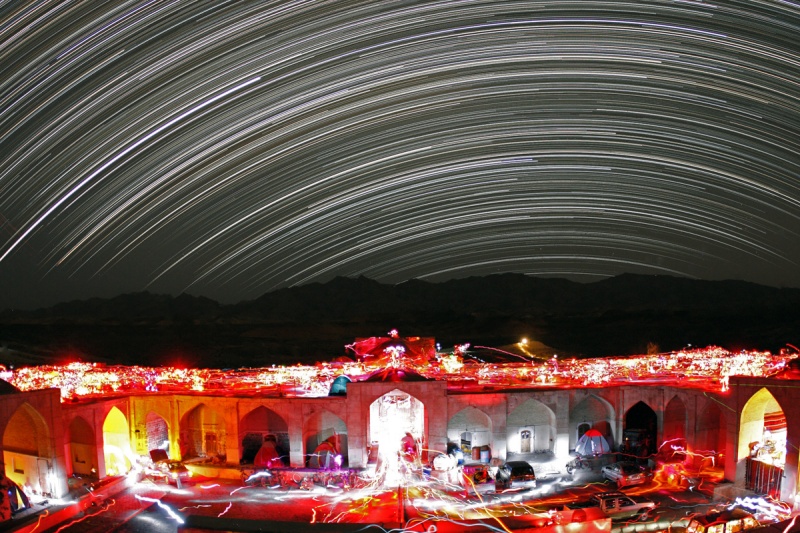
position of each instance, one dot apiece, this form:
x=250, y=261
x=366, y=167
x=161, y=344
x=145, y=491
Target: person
x=408, y=446
x=626, y=446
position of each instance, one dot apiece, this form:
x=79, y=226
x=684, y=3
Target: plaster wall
x=95, y=414
x=49, y=470
x=227, y=408
x=593, y=408
x=787, y=395
x=493, y=406
x=439, y=408
x=361, y=395
x=545, y=413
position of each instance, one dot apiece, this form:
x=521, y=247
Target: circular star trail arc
x=231, y=148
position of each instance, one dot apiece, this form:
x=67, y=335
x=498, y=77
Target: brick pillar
x=561, y=446
x=232, y=437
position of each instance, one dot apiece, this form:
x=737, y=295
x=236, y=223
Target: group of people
x=769, y=449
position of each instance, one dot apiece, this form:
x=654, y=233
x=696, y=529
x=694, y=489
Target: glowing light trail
x=170, y=512
x=32, y=225
x=238, y=149
x=709, y=368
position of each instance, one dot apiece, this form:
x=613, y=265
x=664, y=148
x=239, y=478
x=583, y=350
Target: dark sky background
x=230, y=148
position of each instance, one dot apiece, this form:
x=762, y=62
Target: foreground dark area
x=622, y=315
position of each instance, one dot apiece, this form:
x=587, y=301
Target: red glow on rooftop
x=708, y=368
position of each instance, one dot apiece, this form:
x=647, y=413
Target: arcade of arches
x=746, y=431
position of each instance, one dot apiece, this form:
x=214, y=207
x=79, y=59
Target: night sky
x=230, y=148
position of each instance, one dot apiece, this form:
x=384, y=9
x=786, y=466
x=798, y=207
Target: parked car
x=626, y=473
x=173, y=472
x=515, y=474
x=177, y=473
x=619, y=506
x=728, y=521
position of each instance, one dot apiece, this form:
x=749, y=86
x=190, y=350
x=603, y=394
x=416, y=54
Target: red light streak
x=228, y=508
x=198, y=506
x=41, y=517
x=170, y=512
x=103, y=509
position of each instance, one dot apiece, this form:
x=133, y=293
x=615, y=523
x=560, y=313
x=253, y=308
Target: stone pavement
x=80, y=503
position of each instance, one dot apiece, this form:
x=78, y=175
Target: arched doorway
x=470, y=429
x=157, y=432
x=263, y=425
x=116, y=443
x=28, y=452
x=711, y=435
x=82, y=447
x=203, y=433
x=325, y=437
x=526, y=438
x=591, y=413
x=675, y=420
x=762, y=443
x=394, y=418
x=640, y=432
x=531, y=428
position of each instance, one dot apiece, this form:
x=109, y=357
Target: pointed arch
x=531, y=427
x=157, y=431
x=203, y=433
x=117, y=452
x=261, y=425
x=762, y=444
x=592, y=412
x=408, y=411
x=762, y=424
x=326, y=429
x=28, y=450
x=675, y=420
x=641, y=430
x=27, y=432
x=470, y=428
x=394, y=417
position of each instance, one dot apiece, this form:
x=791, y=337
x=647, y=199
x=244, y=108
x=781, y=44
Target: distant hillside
x=617, y=316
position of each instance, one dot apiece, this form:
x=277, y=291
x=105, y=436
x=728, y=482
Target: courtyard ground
x=150, y=506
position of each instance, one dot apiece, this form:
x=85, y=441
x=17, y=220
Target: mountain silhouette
x=622, y=315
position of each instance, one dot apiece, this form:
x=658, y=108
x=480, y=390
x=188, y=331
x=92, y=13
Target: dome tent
x=592, y=443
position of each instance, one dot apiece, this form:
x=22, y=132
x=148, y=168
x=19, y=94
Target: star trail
x=230, y=148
